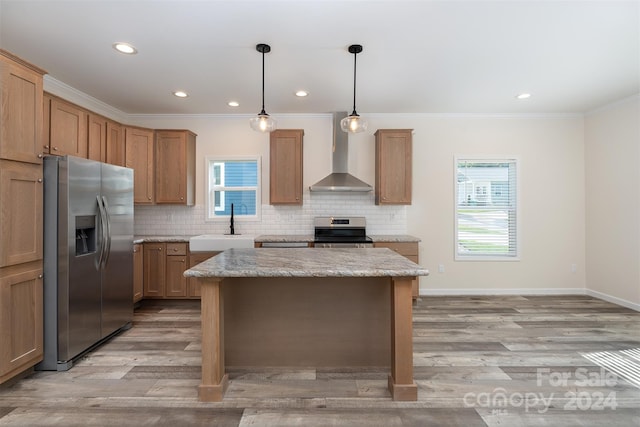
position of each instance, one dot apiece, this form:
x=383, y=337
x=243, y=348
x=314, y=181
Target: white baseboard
x=518, y=291
x=612, y=299
x=530, y=291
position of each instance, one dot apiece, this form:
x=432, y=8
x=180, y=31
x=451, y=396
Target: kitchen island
x=317, y=307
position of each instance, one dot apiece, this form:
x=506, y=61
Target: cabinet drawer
x=403, y=248
x=176, y=248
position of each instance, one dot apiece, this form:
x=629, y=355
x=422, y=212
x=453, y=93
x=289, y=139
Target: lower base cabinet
x=21, y=320
x=138, y=273
x=163, y=267
x=408, y=250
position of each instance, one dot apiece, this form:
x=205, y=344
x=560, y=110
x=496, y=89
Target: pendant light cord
x=355, y=55
x=263, y=112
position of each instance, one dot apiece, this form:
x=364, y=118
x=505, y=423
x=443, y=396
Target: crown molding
x=64, y=91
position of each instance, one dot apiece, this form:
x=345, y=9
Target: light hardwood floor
x=478, y=361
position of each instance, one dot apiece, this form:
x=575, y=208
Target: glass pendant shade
x=353, y=124
x=263, y=123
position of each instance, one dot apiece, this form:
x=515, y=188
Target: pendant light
x=353, y=122
x=263, y=122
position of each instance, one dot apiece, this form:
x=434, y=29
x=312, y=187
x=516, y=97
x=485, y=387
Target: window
x=486, y=209
x=233, y=181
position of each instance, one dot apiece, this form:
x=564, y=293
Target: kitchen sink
x=219, y=242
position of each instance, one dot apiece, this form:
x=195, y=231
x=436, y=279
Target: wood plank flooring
x=478, y=361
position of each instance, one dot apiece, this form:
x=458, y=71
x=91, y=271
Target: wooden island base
x=306, y=321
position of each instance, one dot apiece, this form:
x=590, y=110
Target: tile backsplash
x=163, y=220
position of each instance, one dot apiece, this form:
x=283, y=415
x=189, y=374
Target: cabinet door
x=175, y=167
x=285, y=167
x=20, y=112
x=21, y=322
x=20, y=213
x=176, y=283
x=115, y=144
x=393, y=167
x=139, y=157
x=138, y=273
x=154, y=270
x=68, y=129
x=97, y=139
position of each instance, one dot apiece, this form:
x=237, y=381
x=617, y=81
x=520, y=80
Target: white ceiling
x=418, y=57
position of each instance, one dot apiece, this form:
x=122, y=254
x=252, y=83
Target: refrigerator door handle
x=103, y=236
x=107, y=250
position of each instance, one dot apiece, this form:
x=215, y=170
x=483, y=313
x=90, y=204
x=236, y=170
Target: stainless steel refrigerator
x=88, y=256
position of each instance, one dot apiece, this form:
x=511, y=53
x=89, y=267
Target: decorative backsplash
x=161, y=220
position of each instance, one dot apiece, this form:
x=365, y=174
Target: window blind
x=486, y=209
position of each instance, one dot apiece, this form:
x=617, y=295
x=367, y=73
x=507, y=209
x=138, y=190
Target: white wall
x=552, y=189
x=612, y=159
x=552, y=238
x=551, y=156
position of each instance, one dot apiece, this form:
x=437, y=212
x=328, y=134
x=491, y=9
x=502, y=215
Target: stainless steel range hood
x=340, y=180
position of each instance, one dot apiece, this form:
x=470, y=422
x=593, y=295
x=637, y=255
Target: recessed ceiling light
x=233, y=104
x=302, y=93
x=125, y=48
x=181, y=94
x=523, y=95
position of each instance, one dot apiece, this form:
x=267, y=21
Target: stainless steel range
x=341, y=232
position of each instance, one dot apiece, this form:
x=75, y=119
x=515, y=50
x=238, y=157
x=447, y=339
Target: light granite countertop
x=294, y=238
x=395, y=238
x=161, y=239
x=307, y=262
x=284, y=238
x=277, y=238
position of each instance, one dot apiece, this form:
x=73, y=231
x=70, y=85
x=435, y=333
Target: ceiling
x=419, y=56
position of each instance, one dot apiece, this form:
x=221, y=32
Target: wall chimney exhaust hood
x=340, y=180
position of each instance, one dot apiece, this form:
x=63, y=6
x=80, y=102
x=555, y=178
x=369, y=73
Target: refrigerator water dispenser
x=85, y=234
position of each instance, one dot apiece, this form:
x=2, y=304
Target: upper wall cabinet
x=175, y=166
x=115, y=144
x=97, y=138
x=393, y=166
x=285, y=167
x=139, y=157
x=67, y=128
x=20, y=110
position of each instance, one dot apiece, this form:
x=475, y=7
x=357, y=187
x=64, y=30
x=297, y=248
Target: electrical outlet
x=440, y=268
x=574, y=268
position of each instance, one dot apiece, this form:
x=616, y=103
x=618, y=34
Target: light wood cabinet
x=175, y=282
x=139, y=157
x=21, y=114
x=21, y=320
x=138, y=272
x=97, y=138
x=21, y=293
x=393, y=166
x=154, y=269
x=285, y=167
x=196, y=258
x=20, y=213
x=115, y=144
x=67, y=129
x=175, y=166
x=408, y=250
x=164, y=265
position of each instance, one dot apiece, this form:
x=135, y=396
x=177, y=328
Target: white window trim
x=208, y=195
x=496, y=159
